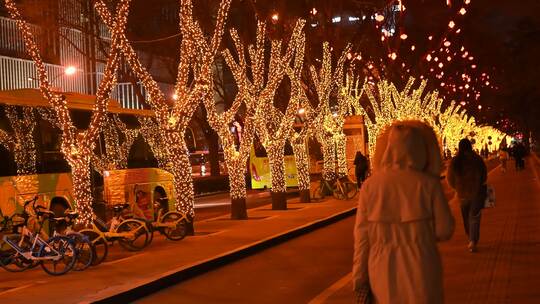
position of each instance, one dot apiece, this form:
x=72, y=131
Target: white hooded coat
x=402, y=213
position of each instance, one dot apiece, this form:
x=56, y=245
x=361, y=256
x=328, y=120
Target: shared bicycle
x=341, y=188
x=26, y=249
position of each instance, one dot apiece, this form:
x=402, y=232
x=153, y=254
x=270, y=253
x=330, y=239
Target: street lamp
x=68, y=71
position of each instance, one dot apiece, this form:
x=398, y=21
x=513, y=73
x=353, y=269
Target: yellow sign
x=259, y=169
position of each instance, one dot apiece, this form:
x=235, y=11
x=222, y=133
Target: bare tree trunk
x=302, y=168
x=276, y=157
x=237, y=183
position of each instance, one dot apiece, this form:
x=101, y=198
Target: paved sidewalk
x=215, y=238
x=507, y=267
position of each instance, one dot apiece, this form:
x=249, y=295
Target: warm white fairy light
x=77, y=145
x=254, y=91
x=327, y=125
x=197, y=56
x=116, y=152
x=21, y=141
x=273, y=126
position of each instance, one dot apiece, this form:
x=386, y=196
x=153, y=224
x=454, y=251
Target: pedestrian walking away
x=467, y=175
x=402, y=214
x=361, y=167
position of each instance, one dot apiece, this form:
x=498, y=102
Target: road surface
x=294, y=272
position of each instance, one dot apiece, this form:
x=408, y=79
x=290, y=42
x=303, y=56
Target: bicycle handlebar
x=33, y=201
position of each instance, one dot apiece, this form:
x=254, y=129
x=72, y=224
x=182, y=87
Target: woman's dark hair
x=465, y=148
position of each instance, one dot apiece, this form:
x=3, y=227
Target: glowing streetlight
x=275, y=17
x=379, y=18
x=451, y=24
x=70, y=70
x=403, y=36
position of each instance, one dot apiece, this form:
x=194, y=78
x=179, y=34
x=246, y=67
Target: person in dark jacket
x=361, y=168
x=519, y=155
x=467, y=175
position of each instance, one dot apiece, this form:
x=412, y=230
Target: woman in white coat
x=402, y=213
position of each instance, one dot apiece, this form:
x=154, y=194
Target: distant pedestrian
x=519, y=156
x=361, y=167
x=467, y=175
x=402, y=213
x=503, y=158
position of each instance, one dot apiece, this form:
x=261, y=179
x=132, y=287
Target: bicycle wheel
x=177, y=232
x=61, y=255
x=138, y=235
x=13, y=261
x=351, y=189
x=338, y=192
x=99, y=244
x=318, y=193
x=85, y=251
x=150, y=229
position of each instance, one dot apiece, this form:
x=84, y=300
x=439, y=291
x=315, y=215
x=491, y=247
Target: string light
x=116, y=153
x=21, y=141
x=273, y=126
x=172, y=120
x=77, y=146
x=326, y=127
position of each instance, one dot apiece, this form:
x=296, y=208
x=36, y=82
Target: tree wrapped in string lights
x=150, y=131
x=459, y=126
x=21, y=140
x=274, y=126
x=488, y=138
x=254, y=89
x=299, y=139
x=328, y=124
x=78, y=145
x=193, y=83
x=118, y=141
x=387, y=104
x=377, y=113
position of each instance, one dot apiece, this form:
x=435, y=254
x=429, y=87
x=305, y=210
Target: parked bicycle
x=340, y=188
x=57, y=255
x=131, y=234
x=171, y=224
x=63, y=226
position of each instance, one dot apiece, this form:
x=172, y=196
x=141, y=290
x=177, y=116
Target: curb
x=201, y=267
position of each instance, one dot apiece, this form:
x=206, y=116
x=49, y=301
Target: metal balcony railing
x=18, y=73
